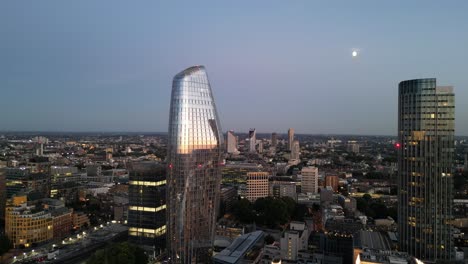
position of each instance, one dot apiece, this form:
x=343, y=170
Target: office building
x=227, y=198
x=281, y=188
x=231, y=143
x=290, y=138
x=257, y=185
x=23, y=180
x=426, y=126
x=252, y=140
x=195, y=154
x=147, y=205
x=28, y=224
x=309, y=181
x=294, y=239
x=333, y=181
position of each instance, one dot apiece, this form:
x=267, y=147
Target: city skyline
x=116, y=77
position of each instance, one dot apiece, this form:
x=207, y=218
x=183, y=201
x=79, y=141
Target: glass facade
x=147, y=205
x=194, y=155
x=426, y=124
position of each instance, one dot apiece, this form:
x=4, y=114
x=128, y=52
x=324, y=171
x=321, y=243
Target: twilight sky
x=108, y=65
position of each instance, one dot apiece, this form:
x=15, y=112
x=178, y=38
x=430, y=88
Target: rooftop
x=236, y=251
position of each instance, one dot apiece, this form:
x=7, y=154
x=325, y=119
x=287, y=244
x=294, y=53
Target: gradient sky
x=108, y=65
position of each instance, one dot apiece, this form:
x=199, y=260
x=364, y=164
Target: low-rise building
x=79, y=220
x=245, y=249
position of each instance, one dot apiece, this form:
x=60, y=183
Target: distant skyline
x=108, y=65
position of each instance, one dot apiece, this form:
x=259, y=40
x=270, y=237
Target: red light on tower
x=397, y=145
x=170, y=166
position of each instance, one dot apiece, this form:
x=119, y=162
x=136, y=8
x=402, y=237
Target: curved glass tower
x=426, y=124
x=194, y=156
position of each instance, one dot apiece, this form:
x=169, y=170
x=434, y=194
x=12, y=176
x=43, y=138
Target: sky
x=108, y=65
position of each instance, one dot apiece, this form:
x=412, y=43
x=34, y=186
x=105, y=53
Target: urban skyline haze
x=108, y=66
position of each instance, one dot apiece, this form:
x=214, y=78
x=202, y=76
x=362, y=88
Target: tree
x=269, y=240
x=121, y=253
x=300, y=211
x=5, y=244
x=243, y=210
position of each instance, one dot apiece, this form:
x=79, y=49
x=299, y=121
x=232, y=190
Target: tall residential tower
x=231, y=143
x=426, y=127
x=252, y=140
x=290, y=138
x=195, y=145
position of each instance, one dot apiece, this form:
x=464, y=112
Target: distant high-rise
x=195, y=146
x=260, y=146
x=426, y=127
x=274, y=139
x=231, y=142
x=290, y=138
x=147, y=205
x=295, y=150
x=309, y=182
x=252, y=140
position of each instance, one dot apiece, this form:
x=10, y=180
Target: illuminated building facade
x=257, y=185
x=426, y=127
x=195, y=147
x=26, y=225
x=147, y=205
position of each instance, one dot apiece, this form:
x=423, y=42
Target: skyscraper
x=147, y=205
x=290, y=138
x=426, y=127
x=195, y=145
x=274, y=139
x=295, y=150
x=252, y=140
x=231, y=142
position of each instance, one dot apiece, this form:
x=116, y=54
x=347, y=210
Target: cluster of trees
x=5, y=244
x=375, y=208
x=269, y=211
x=120, y=253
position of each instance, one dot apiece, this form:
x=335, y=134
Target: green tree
x=243, y=210
x=121, y=253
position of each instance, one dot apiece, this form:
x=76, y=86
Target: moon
x=354, y=53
